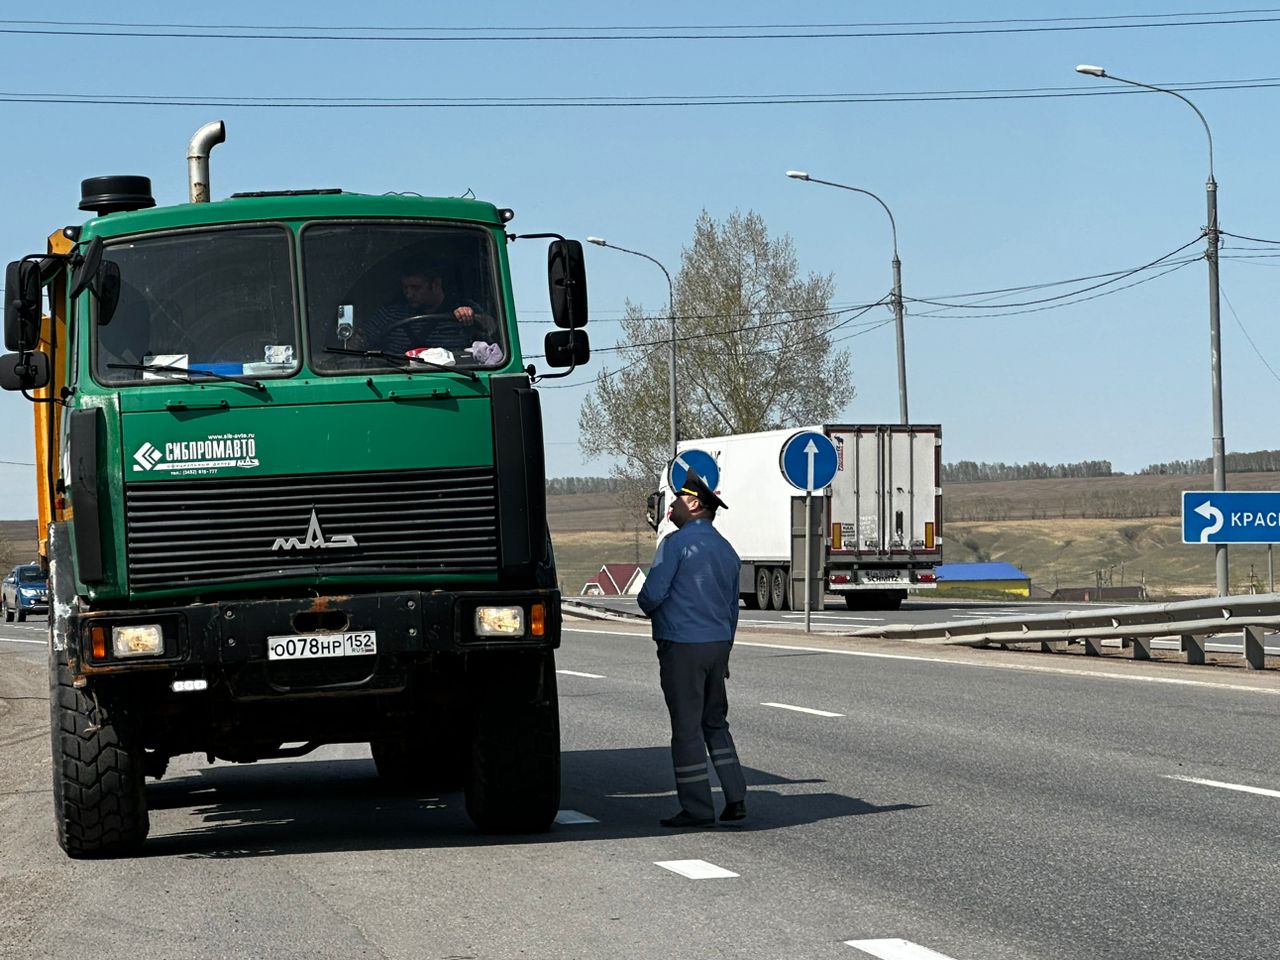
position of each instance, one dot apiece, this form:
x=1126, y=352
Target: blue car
x=25, y=590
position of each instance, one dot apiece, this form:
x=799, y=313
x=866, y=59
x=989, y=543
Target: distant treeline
x=966, y=471
x=1260, y=461
x=584, y=485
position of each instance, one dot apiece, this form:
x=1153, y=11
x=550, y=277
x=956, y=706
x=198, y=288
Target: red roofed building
x=615, y=580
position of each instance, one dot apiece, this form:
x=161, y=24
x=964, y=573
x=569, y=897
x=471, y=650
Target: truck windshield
x=219, y=301
x=30, y=575
x=390, y=287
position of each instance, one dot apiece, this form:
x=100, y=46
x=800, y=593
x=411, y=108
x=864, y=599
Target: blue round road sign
x=808, y=460
x=700, y=462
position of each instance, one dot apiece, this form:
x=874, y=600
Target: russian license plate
x=308, y=646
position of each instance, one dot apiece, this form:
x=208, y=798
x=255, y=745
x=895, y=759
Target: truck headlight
x=138, y=640
x=499, y=621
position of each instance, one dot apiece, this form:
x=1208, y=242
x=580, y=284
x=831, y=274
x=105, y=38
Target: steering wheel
x=398, y=325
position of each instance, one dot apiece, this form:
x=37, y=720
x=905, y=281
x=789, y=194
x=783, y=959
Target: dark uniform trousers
x=692, y=676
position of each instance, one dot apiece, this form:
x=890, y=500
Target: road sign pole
x=809, y=462
x=808, y=552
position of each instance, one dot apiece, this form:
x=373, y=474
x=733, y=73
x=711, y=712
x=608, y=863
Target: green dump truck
x=285, y=500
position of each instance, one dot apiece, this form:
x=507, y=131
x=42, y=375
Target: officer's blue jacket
x=691, y=593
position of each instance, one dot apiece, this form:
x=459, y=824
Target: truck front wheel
x=99, y=799
x=513, y=784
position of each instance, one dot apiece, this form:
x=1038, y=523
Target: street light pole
x=1211, y=238
x=671, y=330
x=898, y=309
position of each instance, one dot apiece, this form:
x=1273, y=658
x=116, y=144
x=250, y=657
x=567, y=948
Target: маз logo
x=314, y=539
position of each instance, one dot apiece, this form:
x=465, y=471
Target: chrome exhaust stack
x=205, y=139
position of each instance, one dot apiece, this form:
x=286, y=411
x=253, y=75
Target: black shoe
x=734, y=811
x=686, y=819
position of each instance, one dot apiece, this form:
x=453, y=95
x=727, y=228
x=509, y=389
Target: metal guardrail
x=579, y=608
x=1190, y=620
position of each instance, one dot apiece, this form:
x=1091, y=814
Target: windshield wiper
x=171, y=368
x=406, y=362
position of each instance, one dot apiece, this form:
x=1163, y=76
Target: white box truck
x=881, y=516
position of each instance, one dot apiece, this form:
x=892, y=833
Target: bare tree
x=756, y=350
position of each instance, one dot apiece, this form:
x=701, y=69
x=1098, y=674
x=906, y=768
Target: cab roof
x=294, y=205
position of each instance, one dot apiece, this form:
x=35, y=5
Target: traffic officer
x=691, y=595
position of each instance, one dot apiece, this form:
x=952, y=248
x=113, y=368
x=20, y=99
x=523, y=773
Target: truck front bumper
x=230, y=637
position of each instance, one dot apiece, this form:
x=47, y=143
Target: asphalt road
x=979, y=804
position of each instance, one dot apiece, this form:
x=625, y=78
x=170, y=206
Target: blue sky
x=986, y=193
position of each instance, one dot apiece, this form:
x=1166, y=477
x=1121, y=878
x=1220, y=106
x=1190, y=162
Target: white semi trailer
x=881, y=516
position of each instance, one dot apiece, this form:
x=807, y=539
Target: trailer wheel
x=780, y=589
x=513, y=784
x=763, y=595
x=99, y=798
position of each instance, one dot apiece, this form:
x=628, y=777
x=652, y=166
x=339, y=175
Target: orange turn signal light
x=538, y=620
x=98, y=641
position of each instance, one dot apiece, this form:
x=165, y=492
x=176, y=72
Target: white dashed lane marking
x=575, y=673
x=1239, y=787
x=572, y=817
x=816, y=713
x=695, y=869
x=894, y=949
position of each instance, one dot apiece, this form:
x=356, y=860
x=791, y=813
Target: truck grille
x=185, y=533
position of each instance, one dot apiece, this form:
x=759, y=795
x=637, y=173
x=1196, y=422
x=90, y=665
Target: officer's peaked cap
x=695, y=486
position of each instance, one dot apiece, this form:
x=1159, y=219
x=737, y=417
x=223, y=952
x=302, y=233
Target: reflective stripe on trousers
x=692, y=676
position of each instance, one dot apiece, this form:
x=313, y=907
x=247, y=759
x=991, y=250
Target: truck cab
x=292, y=492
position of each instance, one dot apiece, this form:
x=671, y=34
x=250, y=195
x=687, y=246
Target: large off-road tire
x=513, y=783
x=99, y=801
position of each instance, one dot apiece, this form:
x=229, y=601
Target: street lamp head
x=797, y=175
x=1090, y=70
x=598, y=241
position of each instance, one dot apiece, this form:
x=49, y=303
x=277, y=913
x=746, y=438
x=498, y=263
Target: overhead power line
x=643, y=27
x=1060, y=296
x=485, y=34
x=615, y=102
x=1176, y=266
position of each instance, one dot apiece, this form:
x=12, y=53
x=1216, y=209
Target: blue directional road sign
x=1230, y=517
x=808, y=460
x=700, y=462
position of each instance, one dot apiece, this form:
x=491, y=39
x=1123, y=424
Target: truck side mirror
x=22, y=305
x=653, y=509
x=101, y=278
x=567, y=348
x=24, y=371
x=567, y=277
x=88, y=267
